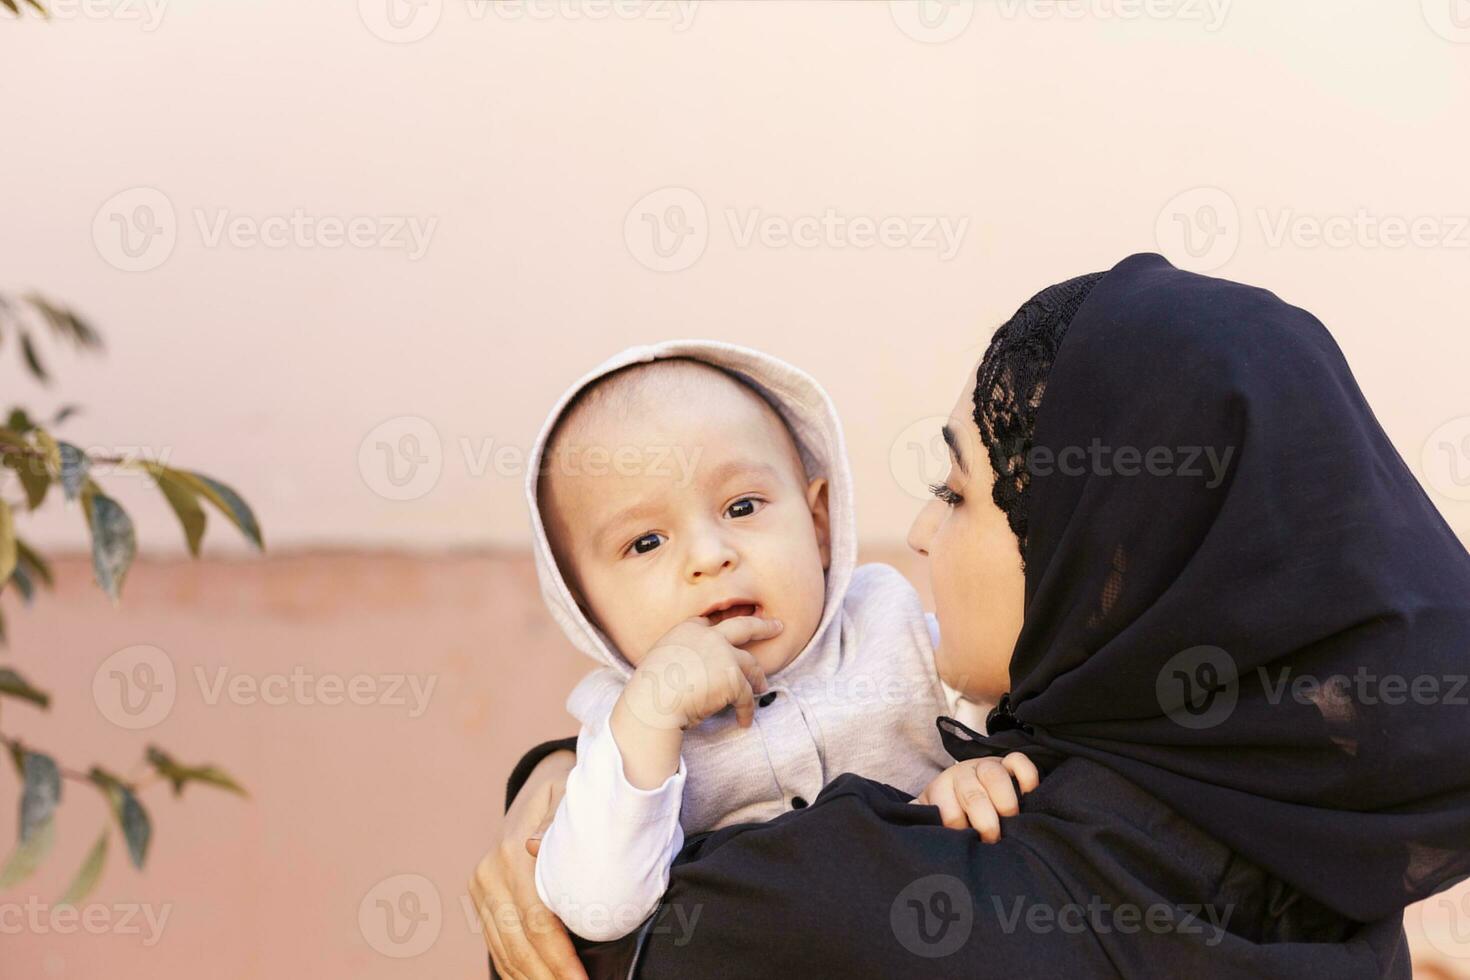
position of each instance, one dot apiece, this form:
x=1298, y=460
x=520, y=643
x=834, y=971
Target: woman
x=1232, y=644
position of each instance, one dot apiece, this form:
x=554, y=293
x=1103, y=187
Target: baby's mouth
x=739, y=609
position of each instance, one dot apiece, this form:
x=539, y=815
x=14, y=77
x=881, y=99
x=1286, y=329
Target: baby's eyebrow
x=737, y=467
x=625, y=516
x=953, y=443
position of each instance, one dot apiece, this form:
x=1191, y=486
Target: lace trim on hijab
x=1009, y=386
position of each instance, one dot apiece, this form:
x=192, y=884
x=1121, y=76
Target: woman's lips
x=740, y=609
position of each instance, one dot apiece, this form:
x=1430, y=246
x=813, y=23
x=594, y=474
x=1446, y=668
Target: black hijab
x=1237, y=596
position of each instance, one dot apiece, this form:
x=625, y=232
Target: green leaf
x=73, y=464
x=19, y=421
x=42, y=793
x=63, y=321
x=23, y=583
x=28, y=854
x=87, y=876
x=15, y=686
x=184, y=500
x=23, y=458
x=8, y=553
x=10, y=4
x=34, y=564
x=52, y=450
x=180, y=775
x=114, y=544
x=131, y=817
x=65, y=412
x=33, y=360
x=227, y=501
x=33, y=477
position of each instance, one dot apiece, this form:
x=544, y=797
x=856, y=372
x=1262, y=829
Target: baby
x=692, y=509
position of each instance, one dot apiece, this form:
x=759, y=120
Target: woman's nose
x=923, y=527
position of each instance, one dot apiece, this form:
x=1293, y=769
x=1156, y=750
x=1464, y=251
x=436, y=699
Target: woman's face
x=974, y=564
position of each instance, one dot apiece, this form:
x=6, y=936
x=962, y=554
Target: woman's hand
x=978, y=792
x=526, y=939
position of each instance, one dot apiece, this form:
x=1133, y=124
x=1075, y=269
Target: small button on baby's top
x=798, y=802
x=767, y=698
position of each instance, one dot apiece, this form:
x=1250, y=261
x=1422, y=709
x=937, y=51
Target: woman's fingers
x=551, y=955
x=526, y=941
x=533, y=841
x=974, y=797
x=480, y=886
x=747, y=629
x=1024, y=770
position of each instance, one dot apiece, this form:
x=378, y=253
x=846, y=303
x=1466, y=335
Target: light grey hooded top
x=861, y=696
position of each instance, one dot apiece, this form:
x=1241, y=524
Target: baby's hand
x=697, y=669
x=978, y=792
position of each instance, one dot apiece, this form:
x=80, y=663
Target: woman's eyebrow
x=953, y=443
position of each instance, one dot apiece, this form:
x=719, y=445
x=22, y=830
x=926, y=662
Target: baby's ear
x=816, y=499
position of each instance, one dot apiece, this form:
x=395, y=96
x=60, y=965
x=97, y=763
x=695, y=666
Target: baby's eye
x=743, y=507
x=646, y=543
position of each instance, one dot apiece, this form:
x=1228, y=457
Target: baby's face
x=708, y=505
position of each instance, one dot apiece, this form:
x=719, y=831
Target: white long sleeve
x=604, y=861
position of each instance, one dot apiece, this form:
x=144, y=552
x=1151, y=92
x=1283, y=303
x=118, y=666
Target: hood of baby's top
x=809, y=415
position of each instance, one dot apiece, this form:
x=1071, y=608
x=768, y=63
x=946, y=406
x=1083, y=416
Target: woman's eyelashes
x=944, y=493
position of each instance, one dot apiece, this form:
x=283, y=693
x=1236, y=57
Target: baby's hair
x=617, y=391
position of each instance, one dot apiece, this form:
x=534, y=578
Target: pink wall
x=350, y=803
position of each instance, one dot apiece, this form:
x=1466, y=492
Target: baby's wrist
x=650, y=754
x=659, y=696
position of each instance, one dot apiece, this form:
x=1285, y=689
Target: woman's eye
x=944, y=493
x=743, y=507
x=646, y=543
